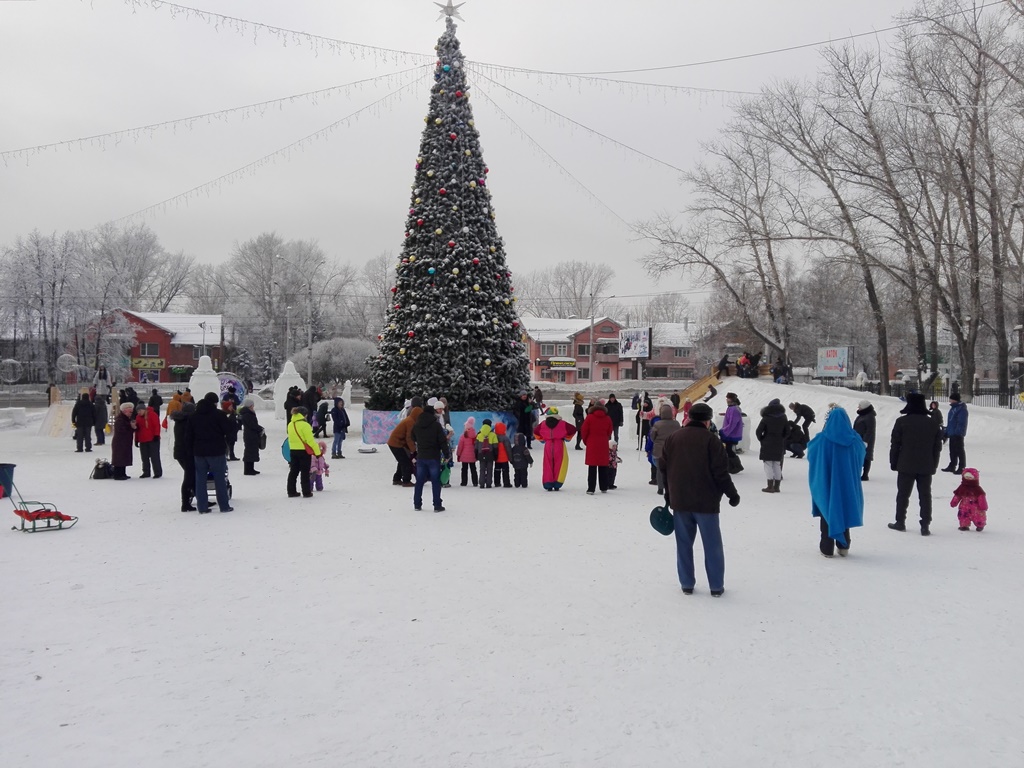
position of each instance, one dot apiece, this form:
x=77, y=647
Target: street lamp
x=309, y=315
x=203, y=326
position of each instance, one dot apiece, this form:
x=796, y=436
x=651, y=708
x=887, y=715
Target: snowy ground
x=519, y=628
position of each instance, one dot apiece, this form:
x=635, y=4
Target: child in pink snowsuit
x=465, y=451
x=970, y=500
x=318, y=468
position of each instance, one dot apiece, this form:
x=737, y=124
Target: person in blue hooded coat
x=836, y=457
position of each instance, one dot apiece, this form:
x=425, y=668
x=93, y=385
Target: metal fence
x=987, y=397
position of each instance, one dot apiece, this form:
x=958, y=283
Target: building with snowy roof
x=168, y=345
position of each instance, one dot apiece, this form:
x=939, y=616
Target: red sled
x=35, y=516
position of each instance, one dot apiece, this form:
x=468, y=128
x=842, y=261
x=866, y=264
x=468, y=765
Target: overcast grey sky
x=76, y=68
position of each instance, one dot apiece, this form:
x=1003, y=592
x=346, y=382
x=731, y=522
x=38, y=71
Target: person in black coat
x=155, y=401
x=864, y=425
x=914, y=455
x=122, y=440
x=432, y=448
x=798, y=439
x=723, y=367
x=310, y=399
x=578, y=416
x=234, y=427
x=774, y=434
x=321, y=419
x=83, y=418
x=523, y=408
x=614, y=408
x=251, y=432
x=207, y=431
x=183, y=454
x=292, y=400
x=100, y=416
x=804, y=412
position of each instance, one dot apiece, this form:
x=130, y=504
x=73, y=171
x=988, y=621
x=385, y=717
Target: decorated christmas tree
x=452, y=328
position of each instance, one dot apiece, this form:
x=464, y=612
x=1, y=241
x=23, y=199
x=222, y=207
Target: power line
x=505, y=116
x=580, y=125
x=773, y=51
x=101, y=138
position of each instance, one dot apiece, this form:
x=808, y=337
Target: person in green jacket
x=300, y=438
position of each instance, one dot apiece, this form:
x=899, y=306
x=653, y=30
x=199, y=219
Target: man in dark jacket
x=83, y=418
x=956, y=431
x=615, y=413
x=184, y=456
x=914, y=456
x=804, y=412
x=864, y=425
x=697, y=473
x=523, y=408
x=431, y=449
x=208, y=430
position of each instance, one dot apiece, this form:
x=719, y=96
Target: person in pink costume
x=554, y=433
x=319, y=468
x=465, y=451
x=971, y=502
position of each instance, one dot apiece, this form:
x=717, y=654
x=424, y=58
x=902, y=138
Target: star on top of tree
x=450, y=10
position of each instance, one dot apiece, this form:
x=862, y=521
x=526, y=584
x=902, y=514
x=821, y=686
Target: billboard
x=635, y=344
x=834, y=362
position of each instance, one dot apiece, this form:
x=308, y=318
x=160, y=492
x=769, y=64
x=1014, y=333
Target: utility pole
x=591, y=362
x=309, y=332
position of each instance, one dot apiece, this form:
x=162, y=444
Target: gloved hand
x=734, y=501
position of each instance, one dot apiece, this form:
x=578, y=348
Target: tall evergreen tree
x=452, y=328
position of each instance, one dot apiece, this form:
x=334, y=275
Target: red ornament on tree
x=394, y=289
x=458, y=94
x=453, y=136
x=476, y=261
x=398, y=306
x=451, y=243
x=419, y=222
x=410, y=334
x=442, y=191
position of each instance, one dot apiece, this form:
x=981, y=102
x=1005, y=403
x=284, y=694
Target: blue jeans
x=687, y=525
x=339, y=438
x=218, y=465
x=427, y=468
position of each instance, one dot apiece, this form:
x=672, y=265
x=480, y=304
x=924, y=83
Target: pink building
x=559, y=351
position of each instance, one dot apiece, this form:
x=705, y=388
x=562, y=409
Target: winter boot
x=777, y=484
x=769, y=487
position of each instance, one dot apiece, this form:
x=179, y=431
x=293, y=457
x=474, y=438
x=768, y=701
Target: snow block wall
x=378, y=425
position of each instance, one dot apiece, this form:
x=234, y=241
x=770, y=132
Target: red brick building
x=559, y=351
x=168, y=345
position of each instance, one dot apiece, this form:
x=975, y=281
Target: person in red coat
x=147, y=438
x=597, y=431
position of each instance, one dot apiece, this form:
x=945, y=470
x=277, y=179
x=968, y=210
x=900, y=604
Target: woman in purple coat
x=731, y=432
x=121, y=442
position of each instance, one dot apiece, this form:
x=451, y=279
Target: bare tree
x=568, y=289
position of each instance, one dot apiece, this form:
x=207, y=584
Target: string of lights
x=251, y=167
x=260, y=108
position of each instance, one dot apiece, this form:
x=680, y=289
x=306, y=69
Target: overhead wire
x=519, y=129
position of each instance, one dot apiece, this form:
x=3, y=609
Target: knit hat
x=248, y=403
x=433, y=403
x=486, y=423
x=701, y=412
x=127, y=406
x=776, y=401
x=211, y=397
x=552, y=411
x=863, y=405
x=915, y=404
x=955, y=397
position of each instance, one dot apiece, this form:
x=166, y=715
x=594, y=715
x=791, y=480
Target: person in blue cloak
x=836, y=457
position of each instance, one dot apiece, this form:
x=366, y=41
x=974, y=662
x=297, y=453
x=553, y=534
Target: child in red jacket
x=971, y=502
x=502, y=456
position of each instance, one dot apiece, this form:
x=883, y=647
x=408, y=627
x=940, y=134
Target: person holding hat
x=432, y=448
x=864, y=425
x=914, y=454
x=835, y=458
x=956, y=431
x=121, y=441
x=697, y=476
